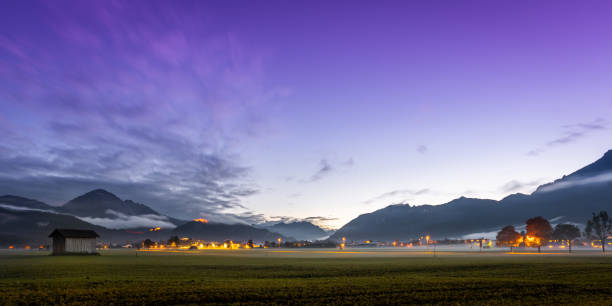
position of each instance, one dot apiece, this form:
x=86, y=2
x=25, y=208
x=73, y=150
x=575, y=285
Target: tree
x=508, y=236
x=539, y=232
x=599, y=227
x=567, y=232
x=174, y=241
x=148, y=243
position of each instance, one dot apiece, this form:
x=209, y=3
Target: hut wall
x=80, y=245
x=59, y=245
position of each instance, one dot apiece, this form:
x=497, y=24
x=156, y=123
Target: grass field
x=305, y=276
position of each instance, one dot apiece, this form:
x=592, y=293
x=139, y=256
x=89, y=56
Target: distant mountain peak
x=294, y=223
x=399, y=205
x=465, y=200
x=97, y=202
x=602, y=165
x=299, y=229
x=100, y=193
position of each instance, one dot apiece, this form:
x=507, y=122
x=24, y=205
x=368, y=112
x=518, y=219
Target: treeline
x=539, y=233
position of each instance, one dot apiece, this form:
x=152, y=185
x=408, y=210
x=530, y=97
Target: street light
x=279, y=242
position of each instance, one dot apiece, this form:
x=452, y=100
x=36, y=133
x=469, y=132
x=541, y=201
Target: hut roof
x=73, y=233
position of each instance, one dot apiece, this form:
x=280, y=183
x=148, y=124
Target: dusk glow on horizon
x=257, y=111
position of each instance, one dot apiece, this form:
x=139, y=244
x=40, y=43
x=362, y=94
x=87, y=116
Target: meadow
x=305, y=276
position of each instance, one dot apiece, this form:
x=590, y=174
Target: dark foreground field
x=258, y=277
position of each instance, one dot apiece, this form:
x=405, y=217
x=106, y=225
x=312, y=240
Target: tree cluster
x=538, y=233
x=599, y=228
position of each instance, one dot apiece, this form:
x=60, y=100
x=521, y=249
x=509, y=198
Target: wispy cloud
x=325, y=168
x=319, y=221
x=572, y=133
x=118, y=220
x=399, y=193
x=21, y=208
x=148, y=108
x=567, y=183
x=422, y=149
x=516, y=186
x=295, y=195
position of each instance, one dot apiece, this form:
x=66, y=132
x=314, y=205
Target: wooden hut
x=74, y=241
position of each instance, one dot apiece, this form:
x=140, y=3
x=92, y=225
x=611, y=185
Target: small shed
x=74, y=241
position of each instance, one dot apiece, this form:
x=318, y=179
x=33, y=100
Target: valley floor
x=286, y=276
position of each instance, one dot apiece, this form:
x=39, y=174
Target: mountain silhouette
x=601, y=166
x=300, y=230
x=20, y=227
x=221, y=232
x=96, y=203
x=570, y=199
x=15, y=201
x=26, y=221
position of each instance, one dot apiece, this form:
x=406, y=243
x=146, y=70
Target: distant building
x=74, y=241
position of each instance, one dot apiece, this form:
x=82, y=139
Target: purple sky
x=258, y=110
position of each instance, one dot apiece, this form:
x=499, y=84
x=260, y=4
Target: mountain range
x=300, y=230
x=571, y=198
x=27, y=221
